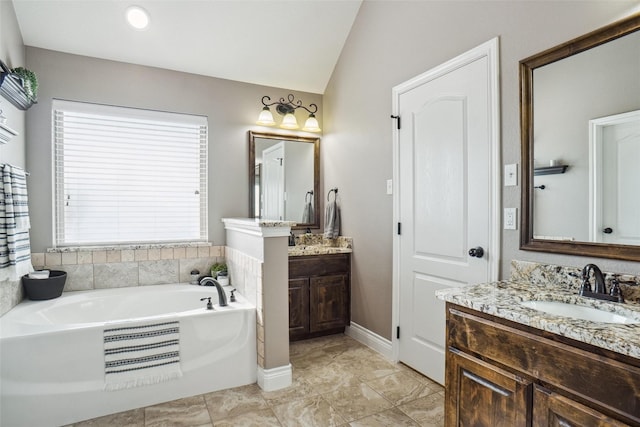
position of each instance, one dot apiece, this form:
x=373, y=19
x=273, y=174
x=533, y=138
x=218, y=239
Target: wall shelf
x=550, y=170
x=11, y=89
x=6, y=133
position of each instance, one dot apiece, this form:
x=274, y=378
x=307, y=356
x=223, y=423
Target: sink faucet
x=222, y=297
x=600, y=287
x=600, y=291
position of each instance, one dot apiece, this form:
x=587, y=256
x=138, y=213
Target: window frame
x=59, y=224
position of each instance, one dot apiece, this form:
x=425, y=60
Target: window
x=125, y=176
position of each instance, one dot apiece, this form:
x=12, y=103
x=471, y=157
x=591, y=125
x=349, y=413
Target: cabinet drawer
x=485, y=395
x=589, y=377
x=318, y=265
x=552, y=409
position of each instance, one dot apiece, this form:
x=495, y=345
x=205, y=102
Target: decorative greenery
x=30, y=81
x=218, y=267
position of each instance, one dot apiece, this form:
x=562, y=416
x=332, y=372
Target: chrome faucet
x=222, y=297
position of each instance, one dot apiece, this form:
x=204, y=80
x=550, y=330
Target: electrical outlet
x=389, y=186
x=510, y=175
x=510, y=218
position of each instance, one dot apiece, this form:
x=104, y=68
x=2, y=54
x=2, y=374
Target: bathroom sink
x=580, y=312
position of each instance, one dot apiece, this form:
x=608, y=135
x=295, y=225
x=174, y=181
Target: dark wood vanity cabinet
x=501, y=373
x=319, y=295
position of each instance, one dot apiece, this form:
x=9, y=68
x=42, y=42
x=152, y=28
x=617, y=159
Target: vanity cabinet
x=319, y=295
x=502, y=373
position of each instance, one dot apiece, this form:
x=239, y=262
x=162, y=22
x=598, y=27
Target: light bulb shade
x=311, y=125
x=266, y=118
x=289, y=122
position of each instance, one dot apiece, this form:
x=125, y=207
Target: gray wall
x=13, y=55
x=391, y=42
x=232, y=109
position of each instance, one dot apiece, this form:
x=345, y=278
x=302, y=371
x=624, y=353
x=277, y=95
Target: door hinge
x=397, y=120
x=399, y=228
x=397, y=332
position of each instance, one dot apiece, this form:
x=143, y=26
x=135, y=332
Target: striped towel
x=138, y=354
x=15, y=249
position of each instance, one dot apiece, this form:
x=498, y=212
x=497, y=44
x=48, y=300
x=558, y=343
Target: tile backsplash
x=114, y=268
x=570, y=278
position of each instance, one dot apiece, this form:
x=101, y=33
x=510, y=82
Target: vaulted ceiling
x=292, y=44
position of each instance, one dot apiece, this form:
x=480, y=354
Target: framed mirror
x=284, y=178
x=580, y=129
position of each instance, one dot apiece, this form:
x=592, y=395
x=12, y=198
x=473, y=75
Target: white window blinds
x=128, y=176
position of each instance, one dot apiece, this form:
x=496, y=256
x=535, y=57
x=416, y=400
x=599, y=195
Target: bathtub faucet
x=222, y=297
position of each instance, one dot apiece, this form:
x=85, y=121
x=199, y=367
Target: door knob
x=608, y=230
x=476, y=252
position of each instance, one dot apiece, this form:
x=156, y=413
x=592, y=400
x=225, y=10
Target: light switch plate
x=510, y=175
x=389, y=186
x=510, y=218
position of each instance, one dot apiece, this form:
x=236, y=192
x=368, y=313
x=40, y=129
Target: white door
x=616, y=145
x=273, y=182
x=447, y=166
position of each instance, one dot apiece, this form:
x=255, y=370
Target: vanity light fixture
x=137, y=17
x=287, y=108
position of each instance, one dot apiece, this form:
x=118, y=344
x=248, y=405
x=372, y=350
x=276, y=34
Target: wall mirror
x=580, y=128
x=284, y=178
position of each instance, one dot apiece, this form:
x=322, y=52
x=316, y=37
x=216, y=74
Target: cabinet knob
x=608, y=230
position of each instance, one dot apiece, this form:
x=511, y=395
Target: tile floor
x=336, y=382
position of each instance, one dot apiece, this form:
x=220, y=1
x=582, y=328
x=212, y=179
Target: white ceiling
x=291, y=44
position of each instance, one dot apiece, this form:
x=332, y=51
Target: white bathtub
x=52, y=360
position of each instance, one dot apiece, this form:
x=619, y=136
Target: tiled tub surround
x=246, y=272
x=113, y=268
x=531, y=281
x=99, y=268
x=317, y=244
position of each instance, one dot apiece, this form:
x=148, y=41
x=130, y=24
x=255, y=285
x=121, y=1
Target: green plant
x=218, y=267
x=30, y=81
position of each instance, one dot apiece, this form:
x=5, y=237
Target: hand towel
x=15, y=247
x=332, y=220
x=308, y=214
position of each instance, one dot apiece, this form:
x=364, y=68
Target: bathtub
x=52, y=361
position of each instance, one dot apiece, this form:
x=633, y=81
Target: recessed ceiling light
x=137, y=17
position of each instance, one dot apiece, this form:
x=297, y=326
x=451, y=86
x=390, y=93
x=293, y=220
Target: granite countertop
x=501, y=299
x=299, y=250
x=317, y=244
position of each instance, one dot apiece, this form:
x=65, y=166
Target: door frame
x=596, y=179
x=490, y=50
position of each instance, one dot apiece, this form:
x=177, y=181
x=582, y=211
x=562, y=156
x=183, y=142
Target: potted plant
x=29, y=82
x=219, y=272
x=217, y=268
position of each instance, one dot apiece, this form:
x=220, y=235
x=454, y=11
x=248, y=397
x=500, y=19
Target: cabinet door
x=298, y=307
x=479, y=394
x=553, y=410
x=328, y=302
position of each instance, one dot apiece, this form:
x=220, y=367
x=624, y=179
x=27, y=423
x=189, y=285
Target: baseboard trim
x=370, y=339
x=275, y=378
